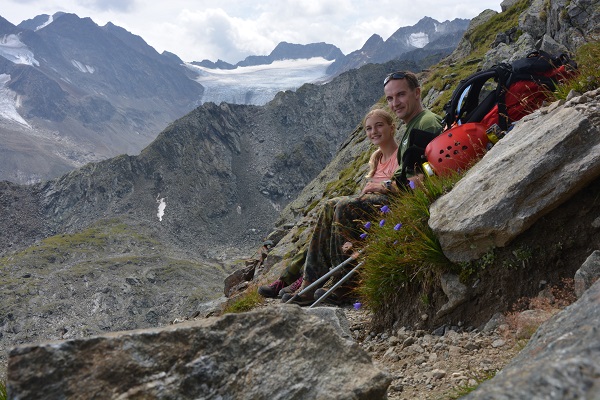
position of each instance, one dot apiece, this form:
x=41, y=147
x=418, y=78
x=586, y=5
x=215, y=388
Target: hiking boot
x=331, y=298
x=271, y=290
x=304, y=300
x=291, y=288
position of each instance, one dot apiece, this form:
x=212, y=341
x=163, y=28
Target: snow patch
x=161, y=207
x=15, y=51
x=48, y=22
x=83, y=67
x=9, y=101
x=419, y=39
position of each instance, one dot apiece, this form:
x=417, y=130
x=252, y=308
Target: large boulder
x=281, y=352
x=560, y=361
x=545, y=160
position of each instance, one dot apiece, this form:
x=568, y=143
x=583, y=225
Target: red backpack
x=492, y=100
x=506, y=93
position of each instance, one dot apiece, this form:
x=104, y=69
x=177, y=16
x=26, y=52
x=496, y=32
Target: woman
x=336, y=224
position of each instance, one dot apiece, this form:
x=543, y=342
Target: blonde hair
x=377, y=154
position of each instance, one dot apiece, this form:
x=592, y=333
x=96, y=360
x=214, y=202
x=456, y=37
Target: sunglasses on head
x=394, y=75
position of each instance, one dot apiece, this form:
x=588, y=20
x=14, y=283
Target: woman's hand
x=376, y=187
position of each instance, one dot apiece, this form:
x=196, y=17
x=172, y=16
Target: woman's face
x=379, y=131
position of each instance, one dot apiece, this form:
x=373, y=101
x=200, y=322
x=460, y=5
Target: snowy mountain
x=73, y=92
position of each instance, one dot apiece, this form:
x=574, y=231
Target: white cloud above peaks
x=232, y=30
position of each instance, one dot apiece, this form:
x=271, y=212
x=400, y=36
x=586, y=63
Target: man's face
x=403, y=100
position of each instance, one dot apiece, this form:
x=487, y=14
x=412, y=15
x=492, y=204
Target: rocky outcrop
x=553, y=26
x=276, y=353
x=560, y=361
x=587, y=274
x=541, y=163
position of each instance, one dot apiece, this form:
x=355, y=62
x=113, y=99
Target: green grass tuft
x=466, y=389
x=412, y=253
x=248, y=301
x=588, y=67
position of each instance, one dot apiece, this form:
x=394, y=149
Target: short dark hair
x=411, y=78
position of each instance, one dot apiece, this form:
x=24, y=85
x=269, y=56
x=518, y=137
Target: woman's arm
x=378, y=187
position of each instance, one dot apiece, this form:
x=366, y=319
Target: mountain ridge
x=90, y=92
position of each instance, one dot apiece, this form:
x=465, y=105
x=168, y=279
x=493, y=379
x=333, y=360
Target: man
x=403, y=95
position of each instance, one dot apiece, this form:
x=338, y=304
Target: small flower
x=357, y=305
x=382, y=222
x=395, y=242
x=368, y=225
x=411, y=184
x=397, y=227
x=385, y=209
x=363, y=235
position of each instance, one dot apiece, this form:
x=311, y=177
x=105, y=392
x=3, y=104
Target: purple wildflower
x=397, y=227
x=357, y=305
x=382, y=222
x=411, y=184
x=363, y=235
x=385, y=209
x=368, y=225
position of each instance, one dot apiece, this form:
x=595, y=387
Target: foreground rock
x=544, y=161
x=561, y=361
x=276, y=353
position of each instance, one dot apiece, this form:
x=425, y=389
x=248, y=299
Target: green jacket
x=426, y=121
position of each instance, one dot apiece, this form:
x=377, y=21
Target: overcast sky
x=231, y=30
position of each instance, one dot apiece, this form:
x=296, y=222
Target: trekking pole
x=324, y=277
x=344, y=279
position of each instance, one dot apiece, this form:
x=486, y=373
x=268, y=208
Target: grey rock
x=276, y=353
x=506, y=4
x=512, y=186
x=532, y=21
x=336, y=317
x=551, y=46
x=454, y=290
x=494, y=322
x=561, y=360
x=587, y=274
x=238, y=277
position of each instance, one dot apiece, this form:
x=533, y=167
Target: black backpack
x=506, y=92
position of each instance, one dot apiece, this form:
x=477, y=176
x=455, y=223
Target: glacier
x=257, y=85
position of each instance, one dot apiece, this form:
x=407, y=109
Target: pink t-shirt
x=385, y=170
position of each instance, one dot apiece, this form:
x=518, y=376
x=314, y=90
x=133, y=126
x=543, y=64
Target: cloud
x=231, y=30
x=215, y=34
x=109, y=5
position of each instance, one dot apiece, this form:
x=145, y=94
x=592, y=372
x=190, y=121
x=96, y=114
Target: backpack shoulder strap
x=414, y=155
x=473, y=84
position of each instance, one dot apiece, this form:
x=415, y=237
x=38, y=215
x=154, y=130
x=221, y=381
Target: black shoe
x=272, y=290
x=304, y=300
x=332, y=298
x=291, y=289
